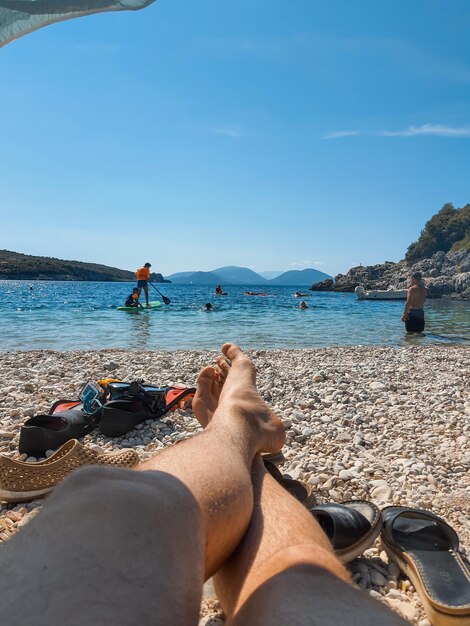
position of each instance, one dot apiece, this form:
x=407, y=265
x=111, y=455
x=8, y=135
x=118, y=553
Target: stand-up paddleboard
x=136, y=309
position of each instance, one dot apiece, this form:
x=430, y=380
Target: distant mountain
x=17, y=266
x=239, y=275
x=299, y=278
x=198, y=278
x=270, y=275
x=178, y=275
x=234, y=275
x=230, y=275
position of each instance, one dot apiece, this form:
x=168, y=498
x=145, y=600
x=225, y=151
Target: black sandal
x=351, y=526
x=425, y=548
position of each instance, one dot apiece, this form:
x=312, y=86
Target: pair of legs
x=143, y=285
x=123, y=547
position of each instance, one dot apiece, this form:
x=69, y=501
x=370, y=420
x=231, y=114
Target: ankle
x=236, y=436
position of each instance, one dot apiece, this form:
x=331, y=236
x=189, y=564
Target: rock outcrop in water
x=447, y=275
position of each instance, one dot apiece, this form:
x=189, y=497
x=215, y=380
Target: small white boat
x=377, y=294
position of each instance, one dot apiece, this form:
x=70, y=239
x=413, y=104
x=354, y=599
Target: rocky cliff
x=447, y=275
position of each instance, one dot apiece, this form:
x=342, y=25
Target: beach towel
x=19, y=17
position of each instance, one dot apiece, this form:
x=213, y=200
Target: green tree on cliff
x=449, y=228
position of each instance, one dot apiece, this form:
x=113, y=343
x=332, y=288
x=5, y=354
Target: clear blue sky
x=273, y=134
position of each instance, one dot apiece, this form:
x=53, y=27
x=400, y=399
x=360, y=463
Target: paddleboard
x=136, y=309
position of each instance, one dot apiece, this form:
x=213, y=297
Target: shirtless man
x=413, y=315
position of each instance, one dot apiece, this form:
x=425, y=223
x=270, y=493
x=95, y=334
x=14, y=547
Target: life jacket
x=143, y=273
x=132, y=299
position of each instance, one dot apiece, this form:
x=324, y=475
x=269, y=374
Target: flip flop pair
x=422, y=544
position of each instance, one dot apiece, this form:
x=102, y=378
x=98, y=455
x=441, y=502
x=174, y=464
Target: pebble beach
x=389, y=425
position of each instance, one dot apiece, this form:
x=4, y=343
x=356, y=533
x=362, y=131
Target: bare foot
x=206, y=399
x=227, y=395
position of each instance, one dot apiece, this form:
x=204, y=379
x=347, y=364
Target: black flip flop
x=425, y=548
x=351, y=526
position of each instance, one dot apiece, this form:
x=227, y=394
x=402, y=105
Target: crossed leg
x=284, y=570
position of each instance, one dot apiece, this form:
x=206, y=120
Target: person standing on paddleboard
x=143, y=276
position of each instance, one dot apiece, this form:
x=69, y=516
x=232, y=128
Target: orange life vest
x=143, y=273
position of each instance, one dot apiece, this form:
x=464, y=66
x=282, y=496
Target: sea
x=83, y=315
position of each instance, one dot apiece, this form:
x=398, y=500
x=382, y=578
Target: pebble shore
x=382, y=424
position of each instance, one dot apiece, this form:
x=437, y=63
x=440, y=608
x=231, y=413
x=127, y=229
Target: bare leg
x=146, y=292
x=125, y=548
x=284, y=570
x=216, y=466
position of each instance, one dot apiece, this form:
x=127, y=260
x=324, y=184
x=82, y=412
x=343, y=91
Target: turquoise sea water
x=78, y=315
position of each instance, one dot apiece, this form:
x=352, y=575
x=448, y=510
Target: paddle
x=164, y=298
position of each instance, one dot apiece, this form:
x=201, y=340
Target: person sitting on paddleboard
x=218, y=290
x=143, y=276
x=133, y=298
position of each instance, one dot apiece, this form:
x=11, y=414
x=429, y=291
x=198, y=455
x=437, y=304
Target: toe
x=206, y=378
x=223, y=365
x=231, y=351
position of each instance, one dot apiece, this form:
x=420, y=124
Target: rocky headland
x=17, y=266
x=387, y=425
x=441, y=254
x=447, y=275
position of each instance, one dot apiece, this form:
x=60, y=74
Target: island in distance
x=233, y=275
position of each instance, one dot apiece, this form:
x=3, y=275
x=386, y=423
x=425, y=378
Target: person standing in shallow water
x=143, y=276
x=413, y=314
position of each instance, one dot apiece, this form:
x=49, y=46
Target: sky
x=263, y=133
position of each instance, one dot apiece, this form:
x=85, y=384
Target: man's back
x=416, y=296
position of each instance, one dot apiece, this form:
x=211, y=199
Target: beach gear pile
x=112, y=406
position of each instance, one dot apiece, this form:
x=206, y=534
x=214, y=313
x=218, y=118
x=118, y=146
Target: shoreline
x=385, y=424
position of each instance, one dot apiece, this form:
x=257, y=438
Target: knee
x=151, y=493
x=93, y=484
x=94, y=476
